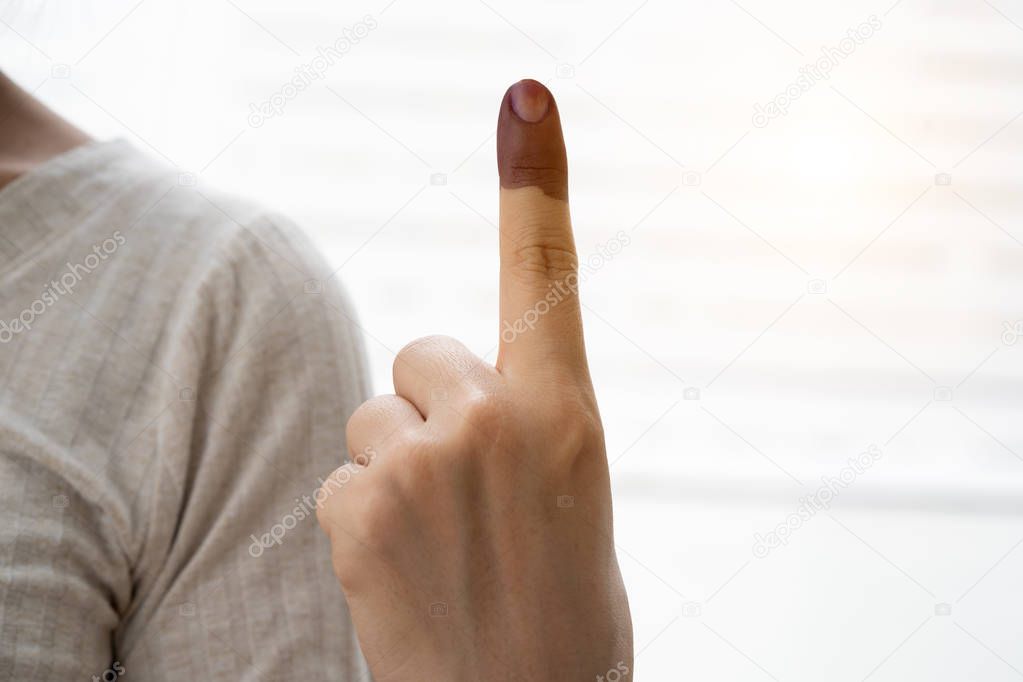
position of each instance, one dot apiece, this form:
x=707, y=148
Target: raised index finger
x=540, y=321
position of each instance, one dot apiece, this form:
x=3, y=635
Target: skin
x=471, y=533
x=30, y=134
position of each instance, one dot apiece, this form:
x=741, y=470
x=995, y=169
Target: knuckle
x=551, y=179
x=425, y=344
x=364, y=415
x=349, y=563
x=545, y=261
x=412, y=351
x=421, y=469
x=577, y=431
x=478, y=375
x=367, y=419
x=582, y=434
x=328, y=502
x=406, y=444
x=445, y=361
x=379, y=517
x=328, y=507
x=370, y=526
x=483, y=410
x=424, y=351
x=346, y=567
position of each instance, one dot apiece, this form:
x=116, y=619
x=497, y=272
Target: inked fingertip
x=530, y=145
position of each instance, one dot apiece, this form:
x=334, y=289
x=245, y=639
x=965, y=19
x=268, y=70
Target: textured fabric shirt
x=176, y=371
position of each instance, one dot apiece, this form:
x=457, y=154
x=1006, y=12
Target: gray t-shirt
x=176, y=371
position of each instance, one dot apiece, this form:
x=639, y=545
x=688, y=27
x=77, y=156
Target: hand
x=471, y=533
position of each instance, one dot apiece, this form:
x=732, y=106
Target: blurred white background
x=848, y=275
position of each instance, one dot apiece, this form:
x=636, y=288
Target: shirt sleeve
x=262, y=364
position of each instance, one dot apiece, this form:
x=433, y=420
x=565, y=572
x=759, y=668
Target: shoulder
x=211, y=280
x=204, y=258
x=187, y=232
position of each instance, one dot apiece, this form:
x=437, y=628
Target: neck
x=30, y=134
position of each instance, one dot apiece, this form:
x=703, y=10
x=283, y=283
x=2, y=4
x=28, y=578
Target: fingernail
x=530, y=100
